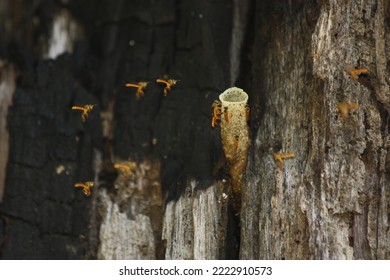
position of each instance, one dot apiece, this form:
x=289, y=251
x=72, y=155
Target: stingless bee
x=168, y=84
x=140, y=86
x=86, y=109
x=87, y=186
x=216, y=113
x=280, y=158
x=354, y=73
x=125, y=167
x=344, y=108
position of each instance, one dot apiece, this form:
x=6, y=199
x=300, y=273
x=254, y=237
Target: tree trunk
x=317, y=78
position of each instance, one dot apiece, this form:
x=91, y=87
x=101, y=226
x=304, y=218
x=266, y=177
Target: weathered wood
x=195, y=226
x=131, y=212
x=327, y=202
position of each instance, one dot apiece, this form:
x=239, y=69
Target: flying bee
x=140, y=86
x=168, y=84
x=87, y=186
x=86, y=109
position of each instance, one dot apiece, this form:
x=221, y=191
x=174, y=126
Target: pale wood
x=195, y=225
x=329, y=202
x=131, y=221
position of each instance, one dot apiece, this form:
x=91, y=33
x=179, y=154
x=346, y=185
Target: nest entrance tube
x=235, y=137
x=234, y=96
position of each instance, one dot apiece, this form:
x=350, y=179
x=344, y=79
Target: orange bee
x=140, y=86
x=87, y=186
x=345, y=107
x=86, y=109
x=126, y=167
x=216, y=113
x=280, y=157
x=356, y=72
x=168, y=84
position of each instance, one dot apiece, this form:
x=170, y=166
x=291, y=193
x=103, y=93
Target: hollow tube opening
x=233, y=95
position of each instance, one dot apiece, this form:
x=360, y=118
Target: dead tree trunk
x=332, y=200
x=317, y=78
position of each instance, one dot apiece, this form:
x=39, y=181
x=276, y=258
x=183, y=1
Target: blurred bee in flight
x=85, y=110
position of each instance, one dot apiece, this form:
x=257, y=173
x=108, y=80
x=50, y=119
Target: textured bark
x=195, y=226
x=330, y=201
x=49, y=151
x=132, y=216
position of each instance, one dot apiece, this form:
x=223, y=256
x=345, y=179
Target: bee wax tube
x=235, y=137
